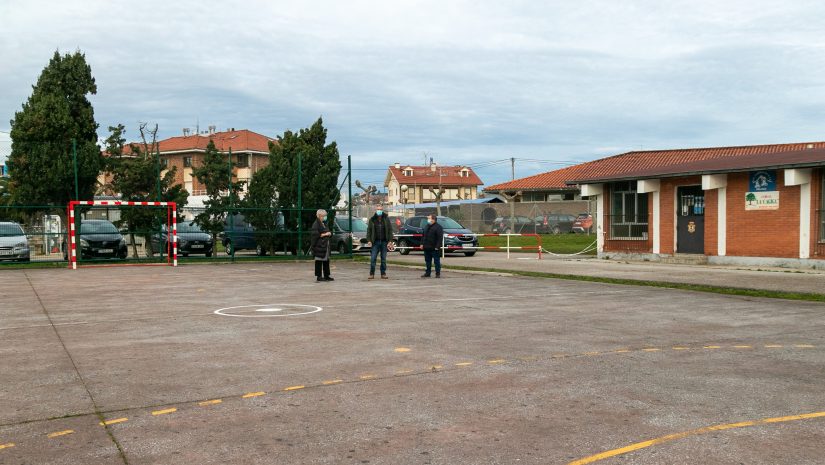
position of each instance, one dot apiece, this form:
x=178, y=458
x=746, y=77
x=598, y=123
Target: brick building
x=458, y=182
x=726, y=205
x=250, y=151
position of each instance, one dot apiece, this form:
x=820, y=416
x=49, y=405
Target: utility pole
x=512, y=168
x=74, y=160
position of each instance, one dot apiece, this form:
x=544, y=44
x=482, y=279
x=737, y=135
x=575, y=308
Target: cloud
x=464, y=81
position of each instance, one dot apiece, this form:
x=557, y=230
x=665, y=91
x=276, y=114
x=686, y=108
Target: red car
x=583, y=223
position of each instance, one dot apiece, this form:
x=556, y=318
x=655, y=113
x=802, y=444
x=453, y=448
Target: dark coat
x=320, y=245
x=378, y=222
x=433, y=236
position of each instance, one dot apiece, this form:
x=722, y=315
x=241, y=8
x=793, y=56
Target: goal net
x=109, y=232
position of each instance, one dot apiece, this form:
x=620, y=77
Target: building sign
x=762, y=193
x=763, y=181
x=762, y=200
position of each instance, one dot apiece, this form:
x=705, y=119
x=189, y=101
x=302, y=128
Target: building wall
x=817, y=247
x=768, y=233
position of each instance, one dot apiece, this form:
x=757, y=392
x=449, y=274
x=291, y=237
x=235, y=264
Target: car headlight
x=83, y=243
x=20, y=245
x=181, y=243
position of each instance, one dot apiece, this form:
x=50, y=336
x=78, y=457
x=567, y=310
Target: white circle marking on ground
x=269, y=310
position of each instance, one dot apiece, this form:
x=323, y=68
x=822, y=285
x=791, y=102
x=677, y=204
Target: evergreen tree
x=40, y=165
x=215, y=174
x=320, y=167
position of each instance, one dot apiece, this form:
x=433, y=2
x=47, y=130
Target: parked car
x=239, y=234
x=415, y=225
x=583, y=223
x=554, y=223
x=98, y=239
x=519, y=225
x=191, y=240
x=343, y=240
x=14, y=245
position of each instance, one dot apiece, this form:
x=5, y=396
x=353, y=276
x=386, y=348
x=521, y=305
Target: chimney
x=397, y=165
x=212, y=129
x=185, y=132
x=432, y=165
x=233, y=129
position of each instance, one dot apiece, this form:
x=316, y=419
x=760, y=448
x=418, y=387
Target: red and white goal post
x=454, y=248
x=171, y=226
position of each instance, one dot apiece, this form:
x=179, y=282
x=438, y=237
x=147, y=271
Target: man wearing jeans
x=433, y=237
x=379, y=234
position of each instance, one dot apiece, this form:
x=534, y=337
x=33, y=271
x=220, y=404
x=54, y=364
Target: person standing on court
x=431, y=241
x=320, y=235
x=379, y=234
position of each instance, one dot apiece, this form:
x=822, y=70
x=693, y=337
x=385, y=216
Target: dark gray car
x=14, y=245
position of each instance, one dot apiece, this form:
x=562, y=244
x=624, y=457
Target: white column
x=720, y=183
x=653, y=186
x=597, y=190
x=802, y=178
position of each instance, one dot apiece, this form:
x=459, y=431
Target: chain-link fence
x=122, y=234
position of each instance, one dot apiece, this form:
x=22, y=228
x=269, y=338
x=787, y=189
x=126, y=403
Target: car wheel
x=556, y=230
x=469, y=254
x=182, y=254
x=208, y=254
x=342, y=248
x=506, y=231
x=403, y=251
x=260, y=250
x=228, y=247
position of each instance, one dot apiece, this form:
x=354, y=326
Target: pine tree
x=41, y=164
x=215, y=174
x=320, y=168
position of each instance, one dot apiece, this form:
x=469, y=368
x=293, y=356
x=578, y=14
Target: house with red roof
x=408, y=184
x=760, y=204
x=250, y=153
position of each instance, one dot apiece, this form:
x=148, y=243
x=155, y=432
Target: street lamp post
x=404, y=189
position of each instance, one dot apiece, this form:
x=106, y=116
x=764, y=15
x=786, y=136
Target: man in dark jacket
x=320, y=246
x=431, y=241
x=379, y=235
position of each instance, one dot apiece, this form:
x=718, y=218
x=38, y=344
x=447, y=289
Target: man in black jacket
x=379, y=235
x=431, y=241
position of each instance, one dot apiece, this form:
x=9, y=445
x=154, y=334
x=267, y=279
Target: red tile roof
x=636, y=164
x=449, y=176
x=242, y=140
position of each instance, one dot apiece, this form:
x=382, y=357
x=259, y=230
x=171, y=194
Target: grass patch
x=556, y=243
x=764, y=293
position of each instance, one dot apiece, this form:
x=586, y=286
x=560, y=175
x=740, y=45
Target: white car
x=13, y=242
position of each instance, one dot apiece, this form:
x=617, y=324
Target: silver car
x=13, y=242
x=343, y=240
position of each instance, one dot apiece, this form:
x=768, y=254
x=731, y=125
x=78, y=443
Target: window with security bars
x=628, y=218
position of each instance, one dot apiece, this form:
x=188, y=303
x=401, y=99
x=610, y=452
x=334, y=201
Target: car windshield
x=358, y=225
x=449, y=223
x=102, y=227
x=189, y=228
x=10, y=229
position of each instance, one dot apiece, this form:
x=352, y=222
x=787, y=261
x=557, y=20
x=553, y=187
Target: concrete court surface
x=468, y=369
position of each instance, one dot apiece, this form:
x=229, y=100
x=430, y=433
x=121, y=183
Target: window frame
x=624, y=224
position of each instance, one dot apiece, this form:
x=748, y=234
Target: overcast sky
x=466, y=82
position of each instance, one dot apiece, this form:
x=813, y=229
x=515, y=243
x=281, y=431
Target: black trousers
x=322, y=264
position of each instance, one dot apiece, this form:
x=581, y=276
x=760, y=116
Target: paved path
x=774, y=279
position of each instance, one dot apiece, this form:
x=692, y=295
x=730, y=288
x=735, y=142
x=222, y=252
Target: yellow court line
x=773, y=346
x=6, y=446
x=591, y=353
x=559, y=355
x=436, y=367
x=651, y=349
x=60, y=433
x=804, y=346
x=680, y=348
x=365, y=377
x=164, y=411
x=113, y=422
x=496, y=361
x=402, y=349
x=210, y=402
x=253, y=394
x=293, y=388
x=743, y=347
x=695, y=432
x=712, y=347
x=621, y=351
x=463, y=364
x=403, y=372
x=332, y=381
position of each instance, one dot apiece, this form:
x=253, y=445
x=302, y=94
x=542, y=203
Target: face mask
x=431, y=221
x=324, y=219
x=379, y=212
